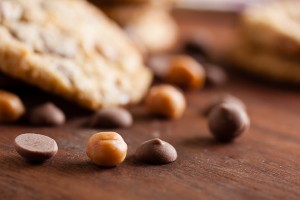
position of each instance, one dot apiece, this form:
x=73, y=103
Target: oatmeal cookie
x=152, y=28
x=68, y=47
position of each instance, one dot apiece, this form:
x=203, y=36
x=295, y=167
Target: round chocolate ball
x=224, y=98
x=227, y=121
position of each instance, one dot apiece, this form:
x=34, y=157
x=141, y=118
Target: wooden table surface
x=262, y=164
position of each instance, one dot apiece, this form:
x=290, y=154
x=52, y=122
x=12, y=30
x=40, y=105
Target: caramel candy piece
x=11, y=107
x=185, y=72
x=106, y=149
x=166, y=101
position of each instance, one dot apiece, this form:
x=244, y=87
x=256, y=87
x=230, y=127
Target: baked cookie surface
x=122, y=2
x=269, y=43
x=70, y=48
x=152, y=28
x=266, y=64
x=274, y=26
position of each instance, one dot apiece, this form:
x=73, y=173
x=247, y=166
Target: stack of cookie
x=270, y=41
x=148, y=22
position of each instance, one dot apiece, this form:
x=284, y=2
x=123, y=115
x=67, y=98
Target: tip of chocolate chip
x=215, y=75
x=222, y=99
x=199, y=47
x=159, y=65
x=111, y=118
x=227, y=121
x=35, y=147
x=47, y=114
x=156, y=152
x=157, y=141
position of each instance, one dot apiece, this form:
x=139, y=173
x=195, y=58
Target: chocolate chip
x=111, y=118
x=156, y=152
x=47, y=114
x=215, y=75
x=159, y=65
x=222, y=99
x=197, y=48
x=35, y=147
x=227, y=121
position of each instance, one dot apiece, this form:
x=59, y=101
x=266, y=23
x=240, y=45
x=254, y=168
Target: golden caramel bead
x=106, y=149
x=165, y=100
x=11, y=107
x=185, y=72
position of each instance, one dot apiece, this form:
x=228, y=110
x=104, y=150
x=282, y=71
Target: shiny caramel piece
x=106, y=149
x=11, y=107
x=166, y=101
x=185, y=72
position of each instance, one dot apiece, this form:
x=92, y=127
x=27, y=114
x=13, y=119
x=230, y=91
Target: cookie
x=70, y=48
x=152, y=28
x=269, y=43
x=274, y=26
x=266, y=64
x=123, y=2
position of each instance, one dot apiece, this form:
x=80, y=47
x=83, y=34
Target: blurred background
x=259, y=38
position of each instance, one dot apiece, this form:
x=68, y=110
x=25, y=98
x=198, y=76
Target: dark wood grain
x=262, y=164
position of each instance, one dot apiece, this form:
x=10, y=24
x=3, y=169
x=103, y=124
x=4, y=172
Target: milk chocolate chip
x=215, y=75
x=35, y=147
x=47, y=114
x=111, y=118
x=156, y=152
x=159, y=65
x=197, y=48
x=227, y=121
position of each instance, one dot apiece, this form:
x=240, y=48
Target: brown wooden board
x=262, y=164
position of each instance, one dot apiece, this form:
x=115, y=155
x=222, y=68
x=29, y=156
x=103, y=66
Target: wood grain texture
x=262, y=164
